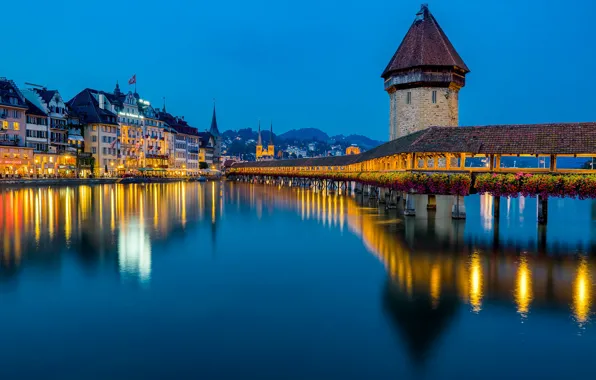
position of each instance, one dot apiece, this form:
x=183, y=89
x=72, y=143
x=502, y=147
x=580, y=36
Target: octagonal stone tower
x=423, y=79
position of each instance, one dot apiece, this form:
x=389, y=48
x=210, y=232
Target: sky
x=308, y=63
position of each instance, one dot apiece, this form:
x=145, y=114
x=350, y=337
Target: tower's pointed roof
x=213, y=130
x=425, y=44
x=271, y=134
x=260, y=141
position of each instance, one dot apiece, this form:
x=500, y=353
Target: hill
x=304, y=134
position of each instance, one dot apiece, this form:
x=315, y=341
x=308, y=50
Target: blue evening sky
x=308, y=63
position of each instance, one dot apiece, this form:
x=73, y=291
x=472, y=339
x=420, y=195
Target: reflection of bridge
x=452, y=267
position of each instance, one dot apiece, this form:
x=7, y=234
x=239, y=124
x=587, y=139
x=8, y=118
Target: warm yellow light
x=475, y=282
x=523, y=288
x=435, y=285
x=582, y=293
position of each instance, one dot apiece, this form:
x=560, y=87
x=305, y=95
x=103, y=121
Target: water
x=237, y=281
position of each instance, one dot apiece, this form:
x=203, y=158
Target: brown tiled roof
x=562, y=138
x=425, y=44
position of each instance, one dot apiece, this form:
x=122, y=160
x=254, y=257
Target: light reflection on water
x=435, y=267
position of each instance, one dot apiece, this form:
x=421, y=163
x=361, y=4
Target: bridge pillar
x=542, y=209
x=357, y=188
x=365, y=189
x=458, y=210
x=392, y=199
x=496, y=207
x=432, y=202
x=410, y=209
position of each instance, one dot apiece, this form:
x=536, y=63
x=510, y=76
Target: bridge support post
x=431, y=204
x=458, y=211
x=357, y=188
x=365, y=189
x=410, y=209
x=542, y=209
x=392, y=199
x=496, y=207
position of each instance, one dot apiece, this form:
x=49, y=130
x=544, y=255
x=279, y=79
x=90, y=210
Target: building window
x=94, y=138
x=16, y=126
x=408, y=97
x=434, y=96
x=95, y=128
x=5, y=125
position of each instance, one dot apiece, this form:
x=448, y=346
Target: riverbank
x=30, y=182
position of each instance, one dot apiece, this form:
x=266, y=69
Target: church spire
x=271, y=134
x=260, y=141
x=214, y=131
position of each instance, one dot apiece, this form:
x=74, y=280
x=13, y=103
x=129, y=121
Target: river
x=237, y=281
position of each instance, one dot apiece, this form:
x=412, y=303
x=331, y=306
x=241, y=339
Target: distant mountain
x=242, y=142
x=304, y=134
x=360, y=140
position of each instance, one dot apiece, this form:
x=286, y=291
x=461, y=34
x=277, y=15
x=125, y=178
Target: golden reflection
x=67, y=215
x=212, y=202
x=435, y=285
x=582, y=292
x=475, y=282
x=523, y=287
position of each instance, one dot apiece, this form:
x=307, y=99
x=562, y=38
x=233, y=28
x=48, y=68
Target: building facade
x=12, y=114
x=99, y=121
x=423, y=79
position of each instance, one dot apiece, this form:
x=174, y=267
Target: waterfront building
x=37, y=129
x=185, y=141
x=352, y=149
x=12, y=114
x=96, y=112
x=131, y=143
x=52, y=104
x=207, y=150
x=423, y=79
x=155, y=142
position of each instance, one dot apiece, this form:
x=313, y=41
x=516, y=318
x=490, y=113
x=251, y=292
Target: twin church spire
x=269, y=153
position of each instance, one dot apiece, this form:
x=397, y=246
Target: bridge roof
x=562, y=138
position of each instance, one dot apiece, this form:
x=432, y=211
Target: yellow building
x=269, y=153
x=352, y=149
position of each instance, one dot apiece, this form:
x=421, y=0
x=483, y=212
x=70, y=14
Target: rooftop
x=424, y=45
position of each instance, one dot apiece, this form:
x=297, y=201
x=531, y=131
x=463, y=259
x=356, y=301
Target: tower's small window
x=434, y=97
x=408, y=97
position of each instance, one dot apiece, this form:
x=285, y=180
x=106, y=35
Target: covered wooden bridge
x=457, y=161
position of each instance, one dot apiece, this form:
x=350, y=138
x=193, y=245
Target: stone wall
x=421, y=112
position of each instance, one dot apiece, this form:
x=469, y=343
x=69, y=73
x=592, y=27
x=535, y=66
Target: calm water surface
x=238, y=281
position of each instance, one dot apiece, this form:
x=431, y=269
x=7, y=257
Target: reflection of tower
x=134, y=250
x=419, y=320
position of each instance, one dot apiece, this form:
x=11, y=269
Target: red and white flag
x=133, y=80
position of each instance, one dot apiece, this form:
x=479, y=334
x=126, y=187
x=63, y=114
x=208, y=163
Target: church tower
x=259, y=153
x=271, y=147
x=214, y=131
x=423, y=79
